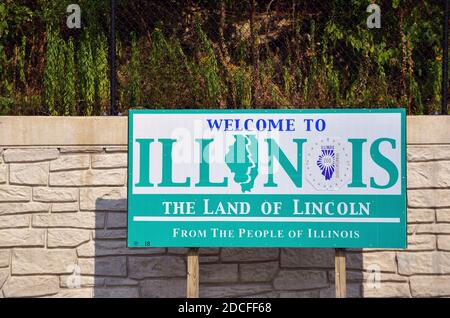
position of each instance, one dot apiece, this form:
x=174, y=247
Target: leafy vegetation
x=221, y=54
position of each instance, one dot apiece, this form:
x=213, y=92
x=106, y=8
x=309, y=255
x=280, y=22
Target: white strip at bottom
x=263, y=219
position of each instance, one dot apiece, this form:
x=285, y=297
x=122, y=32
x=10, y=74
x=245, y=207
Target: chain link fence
x=55, y=56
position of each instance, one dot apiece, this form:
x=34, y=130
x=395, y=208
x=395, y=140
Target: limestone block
x=28, y=174
x=31, y=286
x=410, y=263
x=420, y=216
x=307, y=257
x=70, y=220
x=65, y=207
x=103, y=199
x=23, y=208
x=74, y=178
x=218, y=273
x=14, y=194
x=30, y=155
x=300, y=279
x=426, y=153
x=4, y=274
x=300, y=294
x=429, y=198
x=258, y=272
x=3, y=173
x=430, y=286
x=109, y=234
x=164, y=288
x=431, y=174
x=42, y=261
x=388, y=289
x=443, y=215
x=443, y=242
x=22, y=237
x=353, y=291
x=421, y=242
x=108, y=161
x=385, y=260
x=4, y=258
x=74, y=293
x=249, y=254
x=116, y=292
x=234, y=290
x=67, y=237
x=67, y=281
x=156, y=266
x=104, y=266
x=116, y=220
x=118, y=281
x=438, y=228
x=70, y=162
x=14, y=221
x=43, y=194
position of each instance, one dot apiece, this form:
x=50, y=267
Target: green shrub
x=87, y=74
x=52, y=68
x=70, y=95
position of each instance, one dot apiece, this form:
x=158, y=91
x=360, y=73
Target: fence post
x=112, y=57
x=444, y=107
x=193, y=269
x=340, y=277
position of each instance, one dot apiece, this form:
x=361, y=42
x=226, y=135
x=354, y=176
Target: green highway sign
x=267, y=178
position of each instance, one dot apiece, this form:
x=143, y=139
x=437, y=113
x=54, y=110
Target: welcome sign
x=267, y=178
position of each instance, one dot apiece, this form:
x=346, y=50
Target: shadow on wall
x=119, y=271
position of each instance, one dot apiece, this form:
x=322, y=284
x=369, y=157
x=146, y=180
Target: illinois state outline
x=242, y=160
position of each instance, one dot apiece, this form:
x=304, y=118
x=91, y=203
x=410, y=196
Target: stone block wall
x=63, y=227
